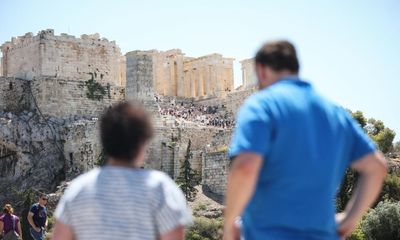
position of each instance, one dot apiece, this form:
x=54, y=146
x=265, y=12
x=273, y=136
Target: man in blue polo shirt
x=290, y=150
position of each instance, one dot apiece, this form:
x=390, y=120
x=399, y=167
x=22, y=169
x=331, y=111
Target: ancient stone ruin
x=53, y=89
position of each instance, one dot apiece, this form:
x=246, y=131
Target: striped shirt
x=122, y=203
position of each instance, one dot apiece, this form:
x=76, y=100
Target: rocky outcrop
x=39, y=153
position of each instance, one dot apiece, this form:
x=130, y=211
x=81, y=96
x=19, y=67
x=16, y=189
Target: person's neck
x=285, y=75
x=121, y=163
x=280, y=76
x=41, y=205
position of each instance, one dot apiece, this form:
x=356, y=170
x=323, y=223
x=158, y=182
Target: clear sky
x=349, y=50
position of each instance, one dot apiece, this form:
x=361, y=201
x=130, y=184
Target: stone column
x=180, y=76
x=206, y=78
x=200, y=89
x=192, y=83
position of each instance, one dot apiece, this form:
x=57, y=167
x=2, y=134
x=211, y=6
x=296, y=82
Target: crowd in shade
x=205, y=115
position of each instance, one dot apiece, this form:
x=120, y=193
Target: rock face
x=39, y=154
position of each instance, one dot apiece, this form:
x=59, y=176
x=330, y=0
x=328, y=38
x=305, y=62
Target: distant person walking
x=37, y=218
x=10, y=226
x=290, y=149
x=121, y=200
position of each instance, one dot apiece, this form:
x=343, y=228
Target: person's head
x=125, y=130
x=43, y=198
x=274, y=61
x=8, y=209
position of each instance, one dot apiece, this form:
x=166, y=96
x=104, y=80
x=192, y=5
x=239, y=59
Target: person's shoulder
x=80, y=183
x=255, y=106
x=35, y=206
x=156, y=178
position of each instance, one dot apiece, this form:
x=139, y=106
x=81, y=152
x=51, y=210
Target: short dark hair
x=279, y=55
x=124, y=128
x=43, y=195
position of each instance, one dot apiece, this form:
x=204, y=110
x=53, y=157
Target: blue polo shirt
x=306, y=143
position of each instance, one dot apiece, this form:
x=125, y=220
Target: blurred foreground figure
x=121, y=200
x=290, y=149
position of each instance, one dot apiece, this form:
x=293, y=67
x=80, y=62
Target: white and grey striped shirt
x=122, y=203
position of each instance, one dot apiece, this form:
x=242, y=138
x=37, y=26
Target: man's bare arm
x=19, y=230
x=62, y=232
x=176, y=234
x=30, y=220
x=372, y=170
x=1, y=227
x=241, y=184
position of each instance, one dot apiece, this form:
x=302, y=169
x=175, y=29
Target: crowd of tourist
x=215, y=116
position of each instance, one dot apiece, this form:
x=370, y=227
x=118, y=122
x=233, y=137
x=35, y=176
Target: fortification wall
x=215, y=173
x=81, y=146
x=234, y=100
x=21, y=57
x=63, y=57
x=62, y=98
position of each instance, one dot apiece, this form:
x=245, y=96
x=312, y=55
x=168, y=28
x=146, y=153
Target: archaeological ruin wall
x=249, y=77
x=63, y=57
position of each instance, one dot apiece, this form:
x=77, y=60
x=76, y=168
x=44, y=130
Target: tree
x=359, y=116
x=384, y=139
x=188, y=177
x=376, y=129
x=375, y=126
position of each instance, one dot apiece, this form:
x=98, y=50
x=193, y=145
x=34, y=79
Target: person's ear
x=262, y=75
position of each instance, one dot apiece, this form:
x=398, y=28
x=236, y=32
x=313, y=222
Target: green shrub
x=383, y=222
x=358, y=234
x=346, y=189
x=205, y=228
x=391, y=189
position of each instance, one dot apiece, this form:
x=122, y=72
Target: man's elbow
x=382, y=167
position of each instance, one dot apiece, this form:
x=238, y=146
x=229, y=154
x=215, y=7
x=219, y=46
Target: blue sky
x=349, y=50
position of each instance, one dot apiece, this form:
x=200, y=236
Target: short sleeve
x=172, y=211
x=252, y=132
x=34, y=209
x=62, y=212
x=362, y=144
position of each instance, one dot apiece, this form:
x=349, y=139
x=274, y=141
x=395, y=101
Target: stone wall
x=21, y=57
x=62, y=98
x=215, y=173
x=81, y=146
x=140, y=77
x=63, y=57
x=234, y=100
